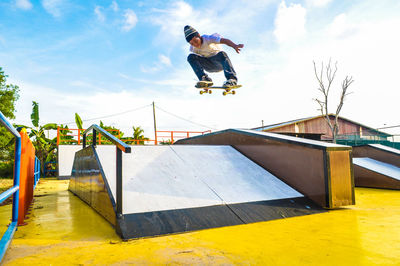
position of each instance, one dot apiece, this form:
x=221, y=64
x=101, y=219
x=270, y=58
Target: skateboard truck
x=227, y=90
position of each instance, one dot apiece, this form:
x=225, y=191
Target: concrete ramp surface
x=382, y=168
x=157, y=178
x=169, y=189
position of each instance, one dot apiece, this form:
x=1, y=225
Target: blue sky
x=99, y=58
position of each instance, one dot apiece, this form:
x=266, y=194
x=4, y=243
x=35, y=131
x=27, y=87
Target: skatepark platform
x=156, y=190
x=64, y=230
x=376, y=166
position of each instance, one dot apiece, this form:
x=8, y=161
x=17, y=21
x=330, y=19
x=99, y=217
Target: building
x=317, y=128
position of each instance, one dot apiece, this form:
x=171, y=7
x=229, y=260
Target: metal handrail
x=8, y=235
x=8, y=193
x=8, y=125
x=121, y=145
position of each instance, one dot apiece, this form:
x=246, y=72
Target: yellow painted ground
x=5, y=207
x=64, y=230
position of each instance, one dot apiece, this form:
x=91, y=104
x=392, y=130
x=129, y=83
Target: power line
x=187, y=120
x=112, y=115
x=389, y=127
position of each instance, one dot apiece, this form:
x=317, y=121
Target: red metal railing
x=74, y=136
x=175, y=135
x=63, y=138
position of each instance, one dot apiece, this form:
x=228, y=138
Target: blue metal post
x=37, y=171
x=39, y=168
x=17, y=166
x=8, y=235
x=6, y=239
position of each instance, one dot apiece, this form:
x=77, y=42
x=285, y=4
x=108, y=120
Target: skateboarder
x=208, y=55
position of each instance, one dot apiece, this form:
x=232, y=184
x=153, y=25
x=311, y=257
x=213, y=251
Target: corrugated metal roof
x=281, y=124
x=274, y=126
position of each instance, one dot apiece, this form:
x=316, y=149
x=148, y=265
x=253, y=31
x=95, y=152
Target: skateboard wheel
x=233, y=92
x=201, y=92
x=210, y=91
x=224, y=93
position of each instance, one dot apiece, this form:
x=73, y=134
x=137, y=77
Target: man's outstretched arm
x=228, y=42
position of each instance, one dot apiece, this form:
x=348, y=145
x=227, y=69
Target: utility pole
x=155, y=126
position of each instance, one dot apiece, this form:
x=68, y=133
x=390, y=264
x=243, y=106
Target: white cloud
x=165, y=60
x=114, y=6
x=220, y=19
x=99, y=13
x=318, y=3
x=368, y=54
x=85, y=85
x=289, y=22
x=341, y=28
x=149, y=69
x=53, y=7
x=172, y=19
x=23, y=4
x=130, y=20
x=57, y=106
x=278, y=84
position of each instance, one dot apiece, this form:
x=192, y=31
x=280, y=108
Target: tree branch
x=324, y=89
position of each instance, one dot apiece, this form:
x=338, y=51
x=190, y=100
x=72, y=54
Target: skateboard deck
x=227, y=90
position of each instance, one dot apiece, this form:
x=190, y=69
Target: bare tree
x=324, y=87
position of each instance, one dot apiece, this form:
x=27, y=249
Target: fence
x=75, y=136
x=26, y=176
x=176, y=135
x=67, y=136
x=358, y=140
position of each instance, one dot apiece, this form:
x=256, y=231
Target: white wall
x=66, y=154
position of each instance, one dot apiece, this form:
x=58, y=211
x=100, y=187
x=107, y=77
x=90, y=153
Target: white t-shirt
x=209, y=47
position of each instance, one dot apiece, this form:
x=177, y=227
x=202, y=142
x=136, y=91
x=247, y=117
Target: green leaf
x=137, y=132
x=78, y=121
x=50, y=126
x=35, y=114
x=17, y=126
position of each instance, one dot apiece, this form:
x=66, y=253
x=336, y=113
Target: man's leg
x=199, y=64
x=223, y=59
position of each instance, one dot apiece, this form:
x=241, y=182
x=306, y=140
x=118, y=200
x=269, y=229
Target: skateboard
x=227, y=90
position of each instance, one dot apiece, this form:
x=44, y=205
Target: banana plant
x=138, y=135
x=44, y=146
x=78, y=121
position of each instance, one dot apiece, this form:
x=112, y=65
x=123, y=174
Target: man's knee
x=191, y=58
x=222, y=54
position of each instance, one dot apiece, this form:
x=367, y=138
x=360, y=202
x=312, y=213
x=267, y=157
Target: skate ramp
x=374, y=164
x=178, y=188
x=378, y=152
x=374, y=173
x=321, y=171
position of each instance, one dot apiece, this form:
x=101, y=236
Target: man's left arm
x=228, y=42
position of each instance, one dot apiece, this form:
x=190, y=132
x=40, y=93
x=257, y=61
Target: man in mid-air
x=206, y=54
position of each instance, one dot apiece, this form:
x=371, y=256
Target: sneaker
x=205, y=82
x=230, y=83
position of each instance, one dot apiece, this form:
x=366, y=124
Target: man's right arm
x=228, y=42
